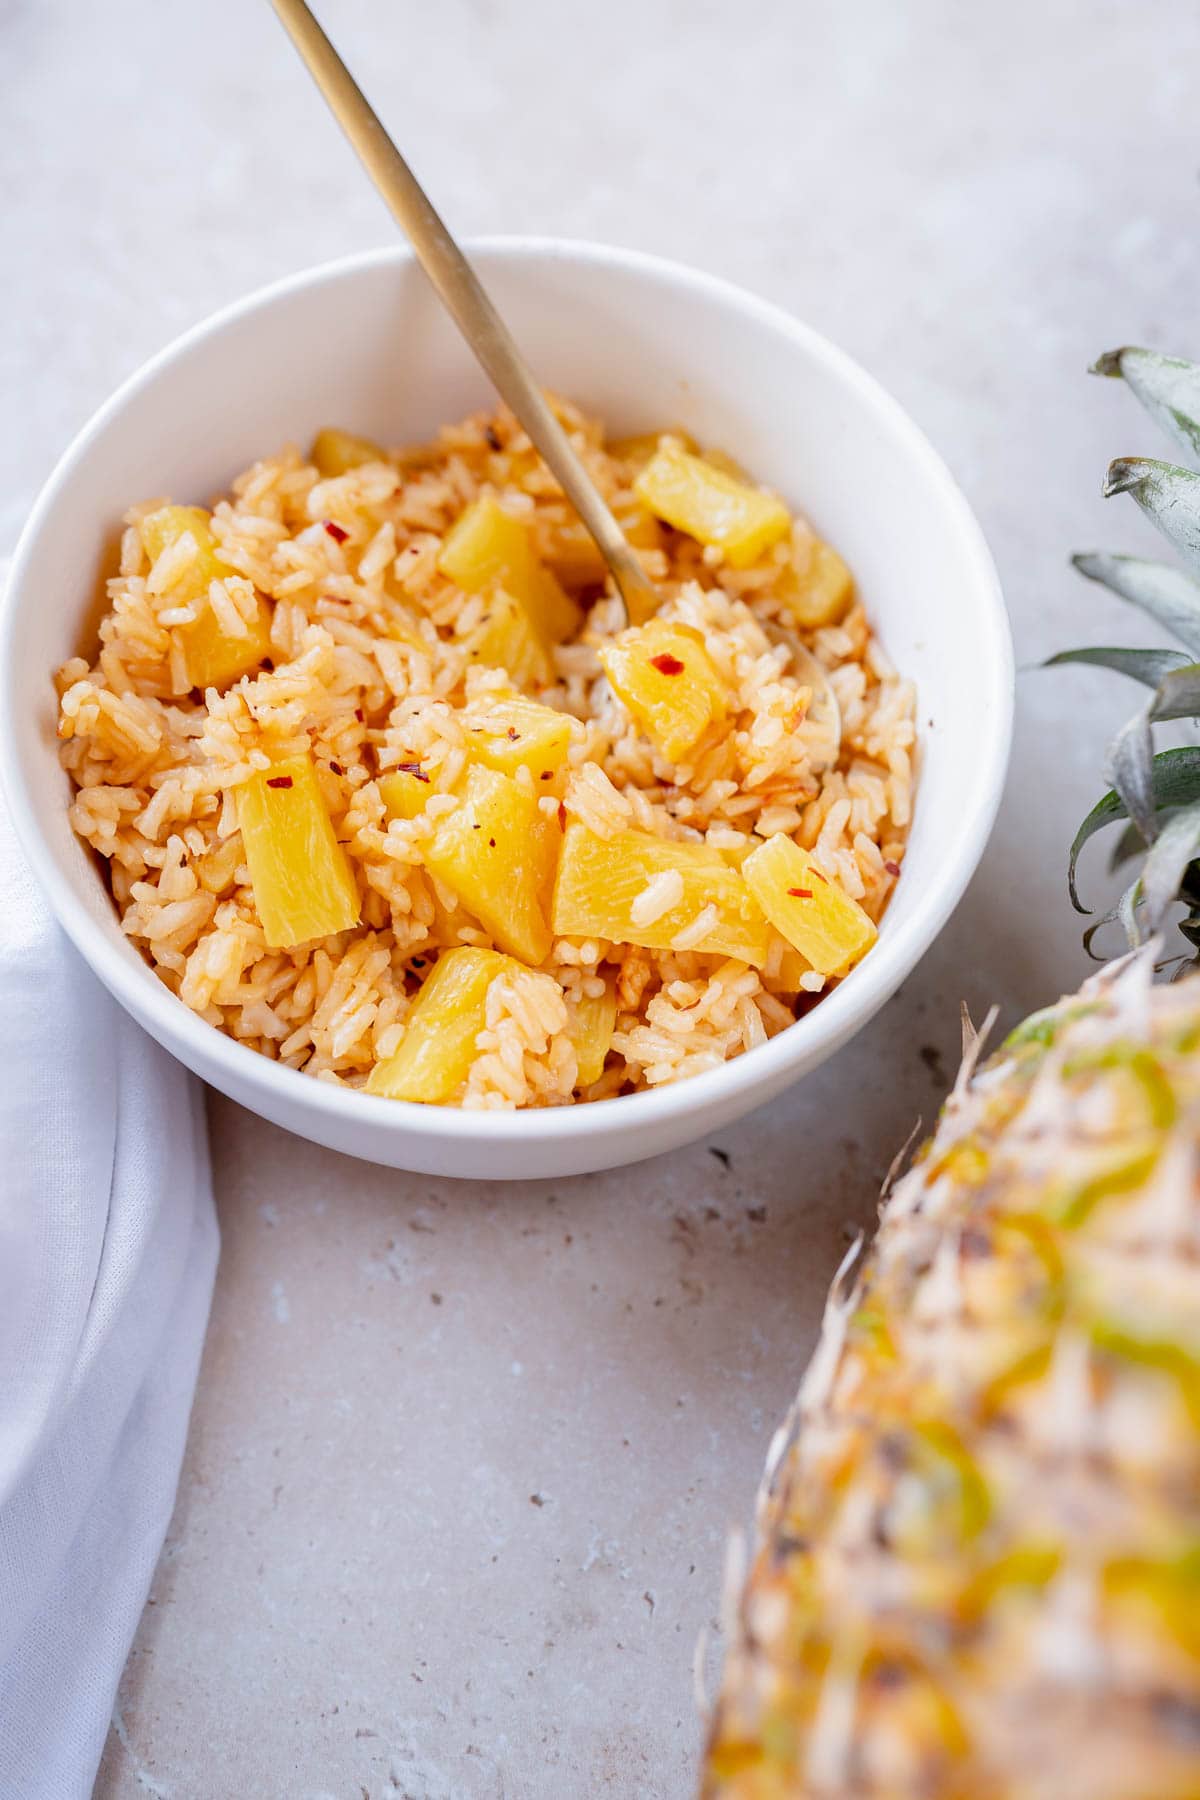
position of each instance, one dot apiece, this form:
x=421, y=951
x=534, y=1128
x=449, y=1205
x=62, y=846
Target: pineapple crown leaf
x=1131, y=843
x=1124, y=914
x=1147, y=666
x=1169, y=596
x=1167, y=494
x=1173, y=849
x=1158, y=794
x=1167, y=386
x=1130, y=769
x=1175, y=781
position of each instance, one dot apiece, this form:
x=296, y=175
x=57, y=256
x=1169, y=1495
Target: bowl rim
x=814, y=1036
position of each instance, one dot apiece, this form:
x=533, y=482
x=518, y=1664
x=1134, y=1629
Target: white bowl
x=642, y=342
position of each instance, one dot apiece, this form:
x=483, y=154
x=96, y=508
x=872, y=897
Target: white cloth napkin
x=108, y=1245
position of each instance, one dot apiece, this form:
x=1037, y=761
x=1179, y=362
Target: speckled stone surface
x=464, y=1457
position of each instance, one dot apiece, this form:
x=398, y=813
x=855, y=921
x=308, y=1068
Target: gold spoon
x=460, y=291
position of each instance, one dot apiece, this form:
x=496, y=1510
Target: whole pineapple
x=977, y=1574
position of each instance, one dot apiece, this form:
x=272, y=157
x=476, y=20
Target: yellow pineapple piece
x=812, y=912
x=337, y=452
x=301, y=877
x=791, y=967
x=639, y=448
x=602, y=886
x=512, y=733
x=816, y=586
x=405, y=790
x=487, y=547
x=665, y=678
x=711, y=505
x=574, y=557
x=213, y=656
x=438, y=1047
x=507, y=638
x=496, y=852
x=594, y=1022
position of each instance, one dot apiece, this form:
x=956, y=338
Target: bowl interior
x=642, y=344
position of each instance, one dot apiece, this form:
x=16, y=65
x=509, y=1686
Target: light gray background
x=464, y=1457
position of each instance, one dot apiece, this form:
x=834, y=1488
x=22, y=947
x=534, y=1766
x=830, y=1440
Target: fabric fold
x=108, y=1248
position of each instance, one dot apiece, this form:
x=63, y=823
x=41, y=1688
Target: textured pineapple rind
x=977, y=1570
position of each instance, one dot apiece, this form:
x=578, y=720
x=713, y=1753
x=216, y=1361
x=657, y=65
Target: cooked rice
x=369, y=674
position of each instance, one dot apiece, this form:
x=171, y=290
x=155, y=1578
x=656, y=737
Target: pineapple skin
x=977, y=1563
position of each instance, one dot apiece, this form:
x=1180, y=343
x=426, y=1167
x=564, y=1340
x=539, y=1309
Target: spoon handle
x=464, y=298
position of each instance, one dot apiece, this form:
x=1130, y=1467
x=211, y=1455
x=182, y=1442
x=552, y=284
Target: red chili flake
x=268, y=665
x=279, y=781
x=512, y=734
x=893, y=868
x=817, y=876
x=489, y=432
x=413, y=769
x=562, y=816
x=801, y=893
x=491, y=843
x=336, y=767
x=336, y=532
x=358, y=713
x=546, y=775
x=666, y=664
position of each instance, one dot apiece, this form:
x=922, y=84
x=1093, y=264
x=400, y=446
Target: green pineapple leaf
x=1130, y=769
x=1174, y=848
x=1167, y=386
x=1131, y=753
x=1170, y=597
x=1147, y=666
x=1175, y=783
x=1131, y=843
x=1178, y=694
x=1168, y=495
x=1158, y=795
x=1124, y=914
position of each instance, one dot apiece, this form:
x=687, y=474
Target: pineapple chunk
x=514, y=733
x=486, y=547
x=816, y=586
x=811, y=911
x=212, y=657
x=664, y=676
x=574, y=558
x=496, y=853
x=594, y=1022
x=642, y=445
x=337, y=452
x=573, y=555
x=791, y=967
x=599, y=881
x=302, y=881
x=710, y=505
x=404, y=792
x=438, y=1047
x=508, y=639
